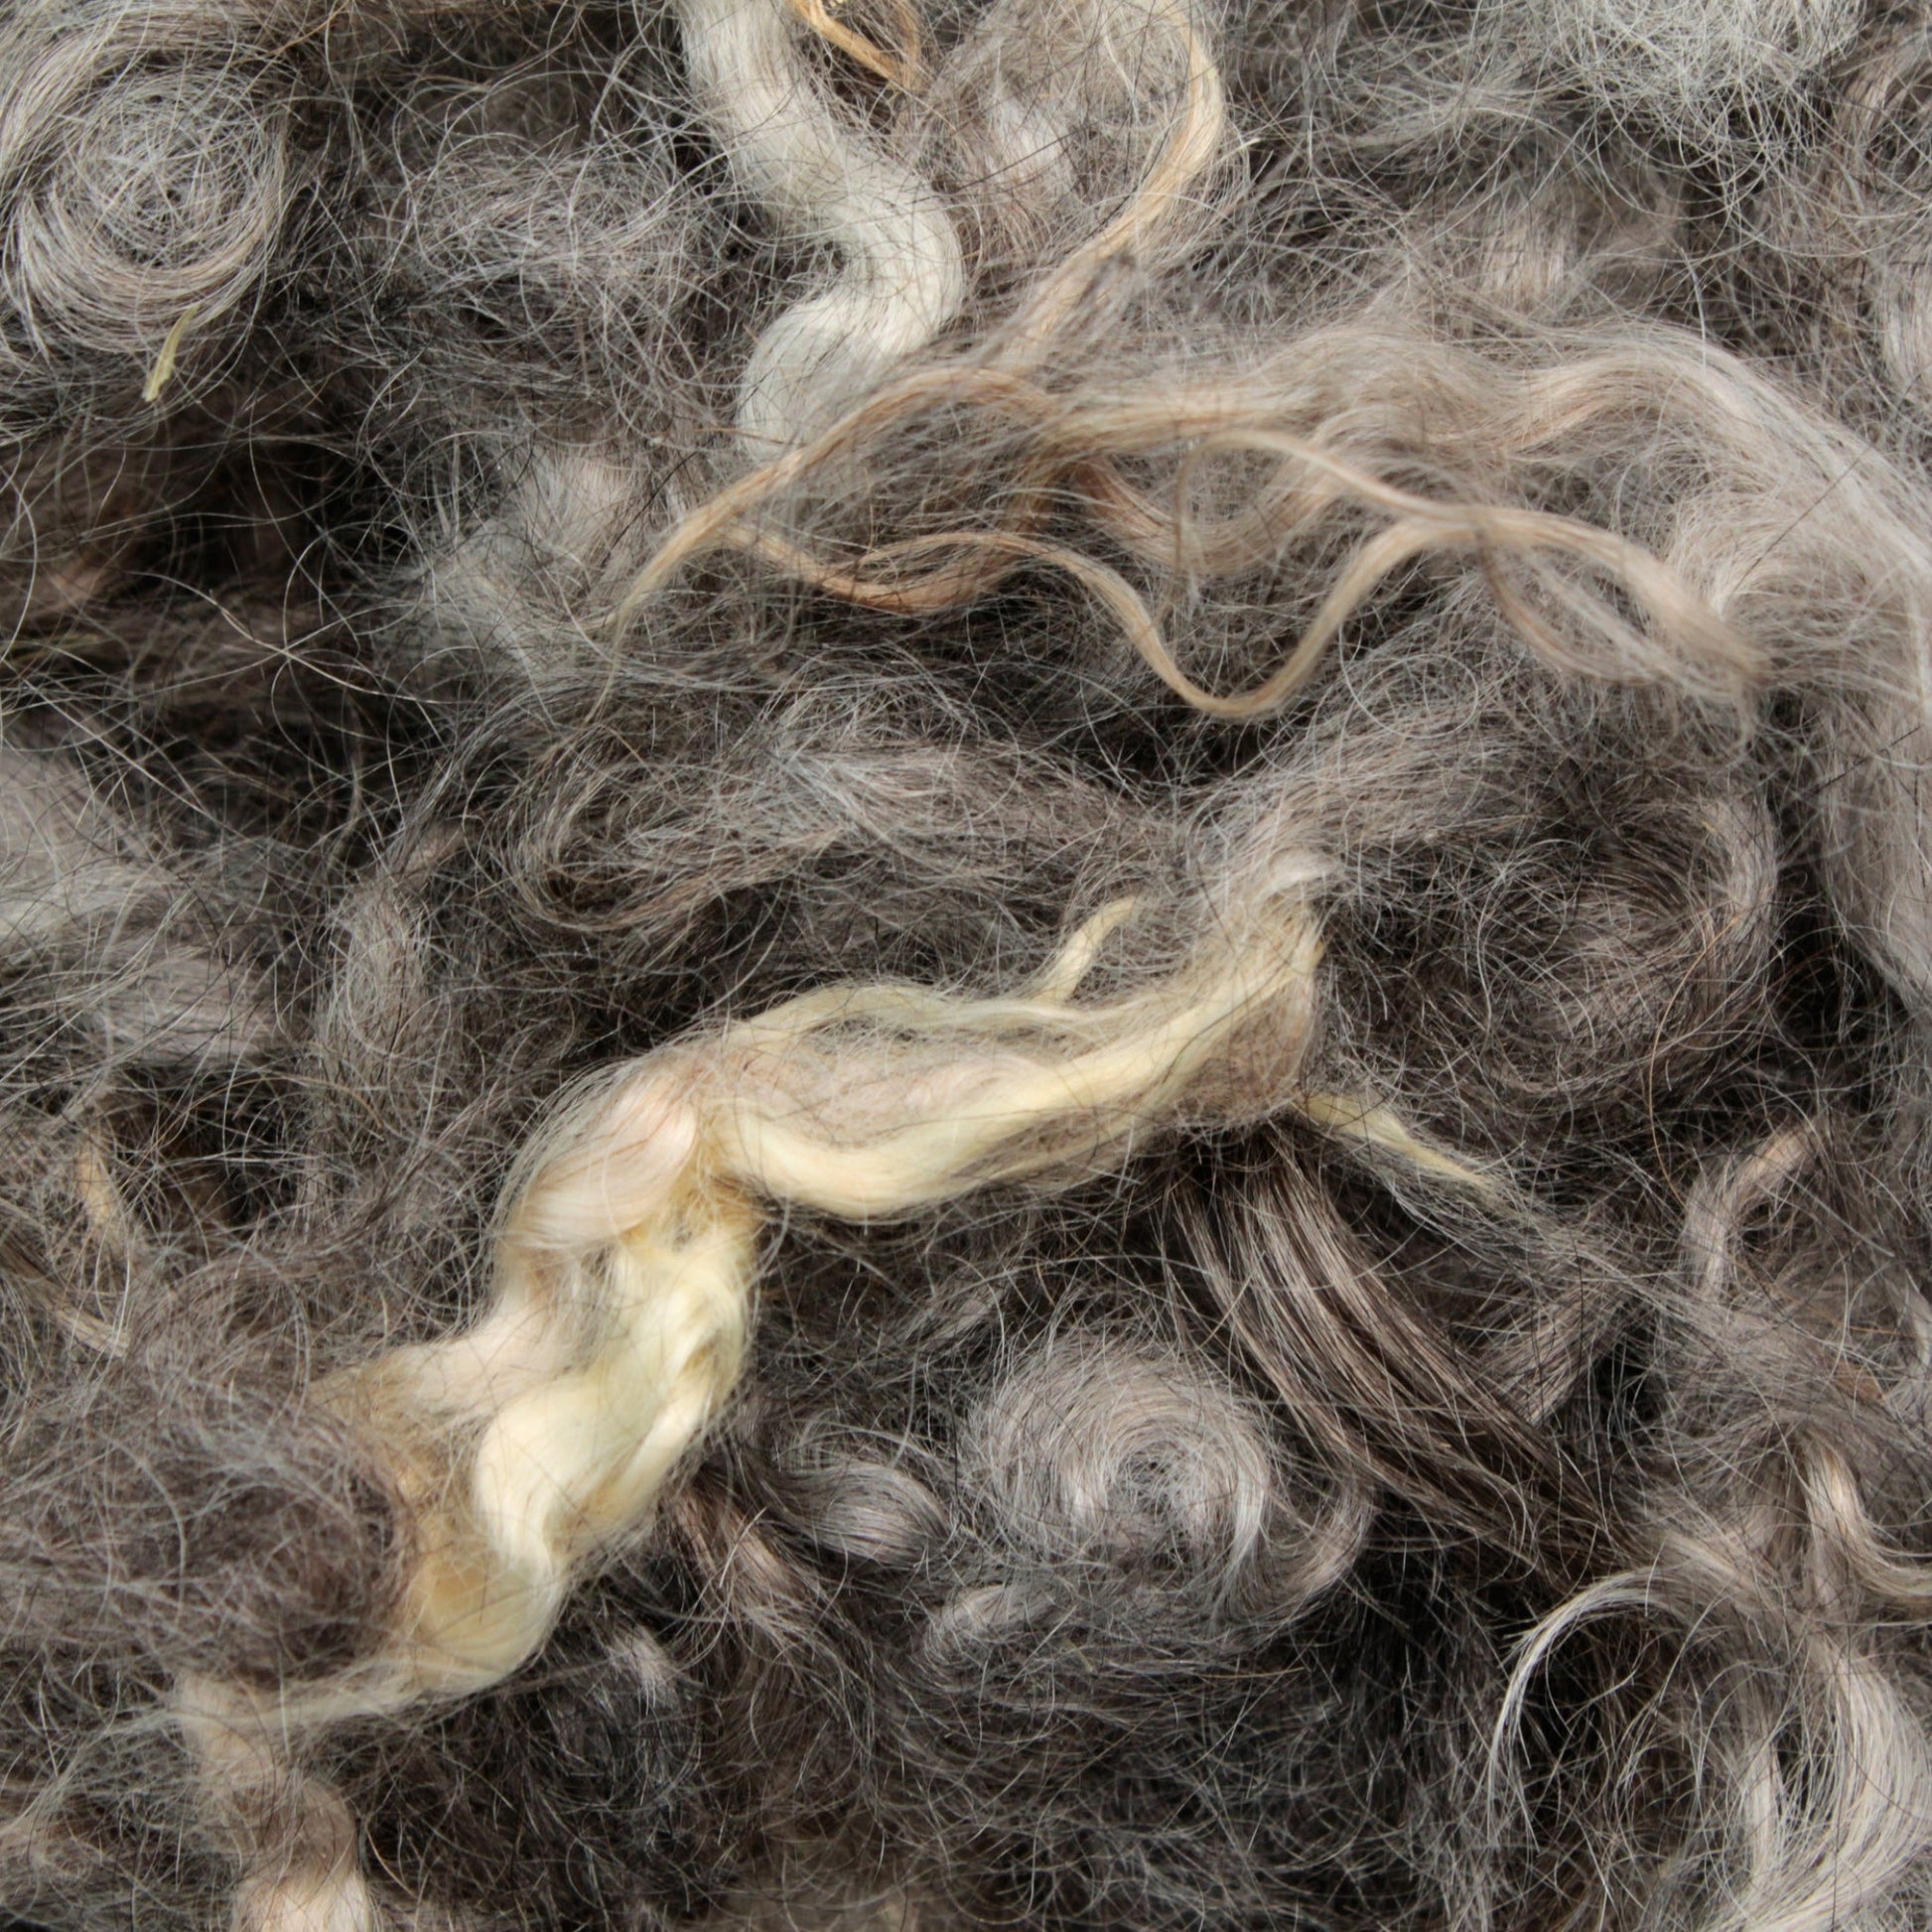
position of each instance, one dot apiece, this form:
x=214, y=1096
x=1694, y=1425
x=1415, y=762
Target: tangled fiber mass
x=966, y=963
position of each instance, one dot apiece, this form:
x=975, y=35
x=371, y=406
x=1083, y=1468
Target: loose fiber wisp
x=966, y=964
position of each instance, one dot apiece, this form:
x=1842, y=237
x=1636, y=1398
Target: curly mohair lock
x=965, y=963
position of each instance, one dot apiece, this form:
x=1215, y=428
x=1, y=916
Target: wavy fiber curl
x=965, y=963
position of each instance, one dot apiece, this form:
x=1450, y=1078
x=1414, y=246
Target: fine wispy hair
x=966, y=963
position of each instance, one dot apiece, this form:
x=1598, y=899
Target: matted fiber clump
x=966, y=963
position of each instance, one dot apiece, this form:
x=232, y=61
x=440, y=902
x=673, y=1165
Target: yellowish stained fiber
x=1421, y=527
x=1170, y=189
x=1376, y=1125
x=164, y=364
x=903, y=69
x=628, y=1263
